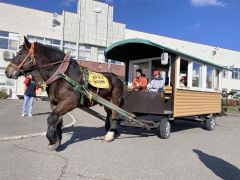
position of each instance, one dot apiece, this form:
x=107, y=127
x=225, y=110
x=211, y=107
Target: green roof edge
x=144, y=41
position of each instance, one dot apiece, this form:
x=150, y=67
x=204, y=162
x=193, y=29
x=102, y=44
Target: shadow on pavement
x=178, y=125
x=218, y=166
x=39, y=114
x=80, y=133
x=181, y=125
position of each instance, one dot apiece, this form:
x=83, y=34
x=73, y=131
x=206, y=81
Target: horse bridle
x=31, y=54
x=33, y=60
x=62, y=68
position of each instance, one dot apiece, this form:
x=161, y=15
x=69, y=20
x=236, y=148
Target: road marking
x=10, y=138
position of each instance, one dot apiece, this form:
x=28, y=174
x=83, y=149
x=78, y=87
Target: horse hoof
x=53, y=147
x=109, y=136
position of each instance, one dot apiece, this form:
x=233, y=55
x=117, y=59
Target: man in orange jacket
x=139, y=82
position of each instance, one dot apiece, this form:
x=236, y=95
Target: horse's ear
x=27, y=43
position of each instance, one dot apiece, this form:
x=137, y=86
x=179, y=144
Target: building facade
x=86, y=34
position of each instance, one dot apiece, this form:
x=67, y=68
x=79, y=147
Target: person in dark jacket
x=31, y=85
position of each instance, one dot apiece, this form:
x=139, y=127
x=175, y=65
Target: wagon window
x=183, y=74
x=210, y=77
x=196, y=75
x=216, y=80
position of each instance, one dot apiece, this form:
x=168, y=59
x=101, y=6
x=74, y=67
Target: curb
x=232, y=114
x=10, y=138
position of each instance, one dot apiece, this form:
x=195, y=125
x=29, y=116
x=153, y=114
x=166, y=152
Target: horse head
x=23, y=61
x=30, y=57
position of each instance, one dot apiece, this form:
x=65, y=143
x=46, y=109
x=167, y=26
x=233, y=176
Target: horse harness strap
x=78, y=87
x=85, y=85
x=30, y=53
x=61, y=69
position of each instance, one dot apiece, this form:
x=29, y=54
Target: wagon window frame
x=187, y=76
x=203, y=77
x=212, y=75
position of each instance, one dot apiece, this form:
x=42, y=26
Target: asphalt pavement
x=190, y=153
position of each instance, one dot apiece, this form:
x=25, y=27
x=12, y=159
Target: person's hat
x=156, y=72
x=183, y=78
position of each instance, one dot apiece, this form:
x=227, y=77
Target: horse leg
x=54, y=131
x=59, y=125
x=107, y=121
x=113, y=121
x=52, y=106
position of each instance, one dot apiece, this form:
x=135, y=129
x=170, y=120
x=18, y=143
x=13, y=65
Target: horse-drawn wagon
x=199, y=96
x=69, y=87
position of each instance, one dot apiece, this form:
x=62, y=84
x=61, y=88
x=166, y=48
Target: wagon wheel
x=210, y=123
x=164, y=128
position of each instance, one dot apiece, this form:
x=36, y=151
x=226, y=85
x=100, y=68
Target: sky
x=210, y=22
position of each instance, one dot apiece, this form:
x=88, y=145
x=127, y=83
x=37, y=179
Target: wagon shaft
x=129, y=116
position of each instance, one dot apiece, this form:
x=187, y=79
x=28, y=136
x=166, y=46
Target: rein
x=40, y=67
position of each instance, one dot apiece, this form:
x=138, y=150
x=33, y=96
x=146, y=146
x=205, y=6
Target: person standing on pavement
x=31, y=85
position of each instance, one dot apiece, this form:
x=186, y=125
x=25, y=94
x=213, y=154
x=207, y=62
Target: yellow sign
x=98, y=80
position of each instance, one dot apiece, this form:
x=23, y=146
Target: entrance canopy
x=133, y=49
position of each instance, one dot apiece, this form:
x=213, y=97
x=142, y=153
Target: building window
x=225, y=74
x=210, y=77
x=235, y=73
x=84, y=52
x=196, y=75
x=4, y=81
x=100, y=55
x=52, y=42
x=110, y=61
x=8, y=40
x=70, y=47
x=36, y=39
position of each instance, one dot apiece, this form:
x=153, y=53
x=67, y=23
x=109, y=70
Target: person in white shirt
x=157, y=83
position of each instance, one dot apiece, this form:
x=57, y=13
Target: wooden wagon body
x=200, y=97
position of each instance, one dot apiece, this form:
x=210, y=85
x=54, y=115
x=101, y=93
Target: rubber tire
x=210, y=123
x=107, y=124
x=164, y=129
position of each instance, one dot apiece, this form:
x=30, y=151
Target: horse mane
x=51, y=51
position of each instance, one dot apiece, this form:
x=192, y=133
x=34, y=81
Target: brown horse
x=46, y=61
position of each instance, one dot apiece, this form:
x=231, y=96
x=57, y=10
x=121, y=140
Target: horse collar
x=61, y=69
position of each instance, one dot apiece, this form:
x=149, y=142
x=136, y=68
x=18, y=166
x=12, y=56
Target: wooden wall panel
x=188, y=103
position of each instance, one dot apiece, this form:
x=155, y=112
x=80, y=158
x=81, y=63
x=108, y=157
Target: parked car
x=236, y=96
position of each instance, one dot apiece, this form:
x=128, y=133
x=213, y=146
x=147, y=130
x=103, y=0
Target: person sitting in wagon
x=183, y=81
x=157, y=83
x=139, y=82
